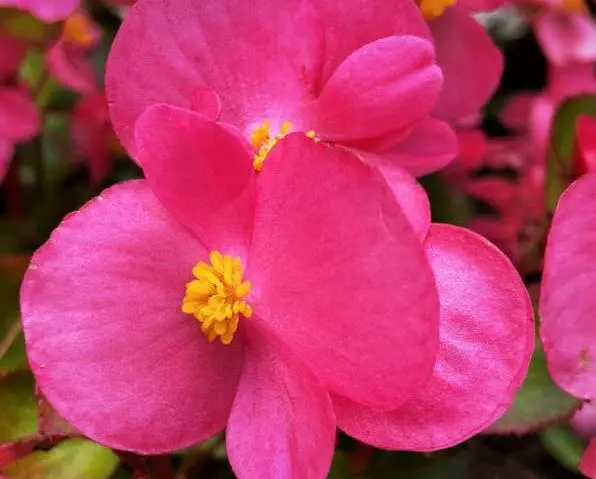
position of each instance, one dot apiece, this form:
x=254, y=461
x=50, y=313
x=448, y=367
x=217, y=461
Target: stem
x=9, y=338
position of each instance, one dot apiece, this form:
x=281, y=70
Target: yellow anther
x=432, y=9
x=79, y=29
x=217, y=296
x=263, y=139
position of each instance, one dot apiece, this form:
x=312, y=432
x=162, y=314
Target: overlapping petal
x=486, y=321
x=201, y=173
x=46, y=10
x=282, y=422
x=325, y=225
x=19, y=119
x=471, y=64
x=567, y=301
x=106, y=339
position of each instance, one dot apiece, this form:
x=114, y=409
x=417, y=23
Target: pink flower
x=330, y=312
x=584, y=158
x=361, y=74
x=567, y=301
x=69, y=60
x=19, y=120
x=92, y=135
x=45, y=10
x=471, y=63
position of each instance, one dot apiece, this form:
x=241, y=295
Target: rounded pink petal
x=71, y=65
x=201, y=173
x=567, y=300
x=584, y=420
x=12, y=52
x=471, y=64
x=518, y=110
x=46, y=10
x=430, y=147
x=486, y=342
x=327, y=229
x=587, y=465
x=107, y=341
x=411, y=197
x=282, y=422
x=19, y=120
x=566, y=38
x=206, y=102
x=383, y=86
x=167, y=49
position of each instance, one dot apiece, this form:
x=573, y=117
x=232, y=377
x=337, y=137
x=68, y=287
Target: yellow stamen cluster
x=78, y=29
x=263, y=139
x=217, y=296
x=432, y=9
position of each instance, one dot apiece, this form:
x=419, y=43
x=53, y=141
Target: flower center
x=78, y=30
x=263, y=139
x=435, y=8
x=573, y=6
x=216, y=296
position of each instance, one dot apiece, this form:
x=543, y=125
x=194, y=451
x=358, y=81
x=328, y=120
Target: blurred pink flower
x=45, y=10
x=92, y=136
x=322, y=340
x=361, y=74
x=584, y=159
x=471, y=63
x=19, y=120
x=68, y=59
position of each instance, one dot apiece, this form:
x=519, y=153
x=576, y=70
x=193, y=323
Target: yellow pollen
x=78, y=29
x=217, y=296
x=263, y=139
x=432, y=9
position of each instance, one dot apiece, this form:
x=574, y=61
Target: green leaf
x=339, y=466
x=453, y=463
x=71, y=459
x=18, y=406
x=560, y=166
x=563, y=445
x=538, y=403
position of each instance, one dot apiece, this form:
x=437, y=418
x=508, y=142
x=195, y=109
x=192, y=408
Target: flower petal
x=282, y=422
x=486, y=324
x=567, y=300
x=19, y=120
x=12, y=52
x=587, y=465
x=567, y=38
x=327, y=229
x=71, y=65
x=201, y=173
x=167, y=49
x=431, y=146
x=471, y=64
x=383, y=86
x=106, y=339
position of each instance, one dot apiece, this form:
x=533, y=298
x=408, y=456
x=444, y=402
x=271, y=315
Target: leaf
x=538, y=403
x=560, y=168
x=71, y=459
x=18, y=406
x=26, y=27
x=563, y=445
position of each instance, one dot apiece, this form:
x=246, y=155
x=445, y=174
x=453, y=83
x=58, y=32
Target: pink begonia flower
x=361, y=74
x=19, y=120
x=584, y=158
x=471, y=63
x=68, y=60
x=45, y=10
x=533, y=114
x=587, y=465
x=92, y=136
x=121, y=362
